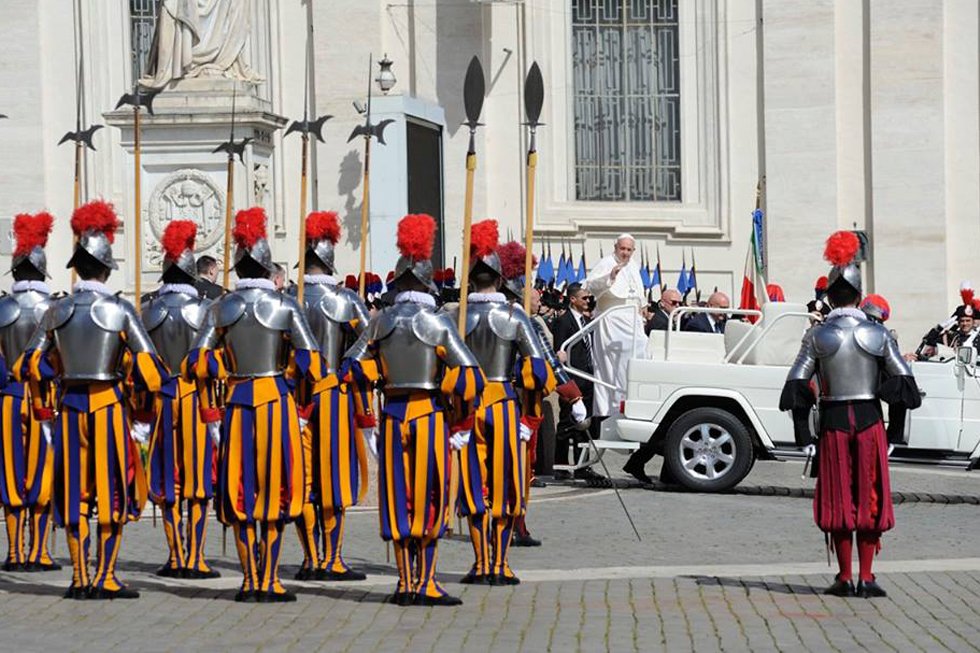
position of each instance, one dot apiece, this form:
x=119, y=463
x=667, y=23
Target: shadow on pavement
x=749, y=585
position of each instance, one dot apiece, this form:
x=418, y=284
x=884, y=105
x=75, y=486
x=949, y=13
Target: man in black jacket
x=710, y=322
x=207, y=274
x=669, y=300
x=579, y=357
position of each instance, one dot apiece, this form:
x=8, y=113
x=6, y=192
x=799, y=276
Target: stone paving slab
x=713, y=573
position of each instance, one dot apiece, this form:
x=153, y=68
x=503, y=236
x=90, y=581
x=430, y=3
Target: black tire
x=728, y=460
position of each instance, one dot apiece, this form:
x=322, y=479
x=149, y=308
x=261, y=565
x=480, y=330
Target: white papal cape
x=619, y=336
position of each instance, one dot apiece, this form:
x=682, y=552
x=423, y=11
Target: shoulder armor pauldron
x=430, y=327
x=504, y=321
x=273, y=311
x=194, y=313
x=336, y=307
x=109, y=313
x=827, y=339
x=9, y=310
x=59, y=313
x=872, y=338
x=228, y=310
x=153, y=313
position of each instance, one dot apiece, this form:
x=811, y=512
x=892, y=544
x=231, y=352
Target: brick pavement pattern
x=735, y=572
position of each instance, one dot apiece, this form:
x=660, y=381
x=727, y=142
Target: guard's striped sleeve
x=206, y=368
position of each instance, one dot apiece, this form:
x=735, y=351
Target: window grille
x=625, y=61
x=143, y=20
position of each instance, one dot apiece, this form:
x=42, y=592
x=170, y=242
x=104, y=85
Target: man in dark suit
x=710, y=322
x=660, y=320
x=579, y=357
x=207, y=274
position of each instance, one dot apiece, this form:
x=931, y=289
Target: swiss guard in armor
x=493, y=465
x=415, y=355
x=94, y=344
x=26, y=454
x=857, y=365
x=257, y=341
x=335, y=453
x=181, y=453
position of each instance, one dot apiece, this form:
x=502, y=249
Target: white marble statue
x=200, y=38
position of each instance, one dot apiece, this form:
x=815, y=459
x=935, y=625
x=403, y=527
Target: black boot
x=843, y=588
x=870, y=589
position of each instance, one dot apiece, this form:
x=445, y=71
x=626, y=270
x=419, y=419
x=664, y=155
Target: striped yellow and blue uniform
x=96, y=462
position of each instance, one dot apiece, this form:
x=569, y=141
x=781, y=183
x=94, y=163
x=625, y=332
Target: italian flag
x=753, y=283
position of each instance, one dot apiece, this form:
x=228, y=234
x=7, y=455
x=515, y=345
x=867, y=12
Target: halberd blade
x=474, y=91
x=534, y=95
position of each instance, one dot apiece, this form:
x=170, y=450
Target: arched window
x=143, y=19
x=626, y=69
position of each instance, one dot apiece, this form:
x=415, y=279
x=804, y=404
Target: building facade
x=661, y=117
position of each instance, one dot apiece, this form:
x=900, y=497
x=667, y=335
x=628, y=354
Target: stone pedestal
x=181, y=176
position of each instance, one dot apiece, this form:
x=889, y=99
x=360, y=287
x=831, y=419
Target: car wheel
x=709, y=450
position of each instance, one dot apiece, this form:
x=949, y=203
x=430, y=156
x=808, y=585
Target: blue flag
x=683, y=281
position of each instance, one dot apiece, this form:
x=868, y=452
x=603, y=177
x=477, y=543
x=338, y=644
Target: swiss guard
x=181, y=453
x=95, y=345
x=859, y=365
x=335, y=452
x=27, y=462
x=257, y=341
x=416, y=356
x=493, y=465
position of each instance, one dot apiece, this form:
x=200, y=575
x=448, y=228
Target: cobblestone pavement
x=734, y=572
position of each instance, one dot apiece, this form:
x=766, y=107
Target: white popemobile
x=710, y=401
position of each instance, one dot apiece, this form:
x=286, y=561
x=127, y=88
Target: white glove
x=214, y=432
x=810, y=450
x=303, y=424
x=526, y=432
x=578, y=412
x=891, y=448
x=371, y=438
x=46, y=431
x=141, y=431
x=460, y=439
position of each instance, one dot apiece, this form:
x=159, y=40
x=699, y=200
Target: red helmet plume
x=178, y=237
x=842, y=247
x=484, y=238
x=249, y=227
x=416, y=234
x=96, y=216
x=821, y=284
x=512, y=257
x=323, y=225
x=966, y=292
x=884, y=311
x=31, y=231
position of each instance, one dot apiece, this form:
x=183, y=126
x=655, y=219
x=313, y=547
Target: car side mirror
x=964, y=356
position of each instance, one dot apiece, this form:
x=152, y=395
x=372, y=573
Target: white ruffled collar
x=486, y=298
x=92, y=286
x=246, y=284
x=848, y=311
x=36, y=286
x=415, y=297
x=320, y=279
x=178, y=288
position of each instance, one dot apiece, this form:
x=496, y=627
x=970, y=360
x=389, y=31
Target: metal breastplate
x=255, y=323
x=86, y=328
x=407, y=336
x=849, y=354
x=491, y=336
x=173, y=321
x=329, y=313
x=20, y=315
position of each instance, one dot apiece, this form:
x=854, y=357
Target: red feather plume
x=966, y=294
x=484, y=238
x=31, y=231
x=96, y=216
x=416, y=234
x=821, y=283
x=350, y=282
x=323, y=225
x=881, y=303
x=841, y=248
x=249, y=227
x=512, y=256
x=178, y=237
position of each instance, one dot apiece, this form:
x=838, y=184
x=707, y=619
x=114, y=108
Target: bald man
x=660, y=320
x=710, y=322
x=615, y=281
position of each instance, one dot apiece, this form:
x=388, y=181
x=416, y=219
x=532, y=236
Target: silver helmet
x=31, y=234
x=841, y=251
x=484, y=240
x=35, y=258
x=322, y=235
x=420, y=269
x=95, y=226
x=250, y=238
x=178, y=248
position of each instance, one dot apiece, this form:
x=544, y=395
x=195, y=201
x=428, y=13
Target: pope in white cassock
x=616, y=281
